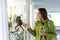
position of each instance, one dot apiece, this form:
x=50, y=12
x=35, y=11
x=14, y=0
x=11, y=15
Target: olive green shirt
x=39, y=26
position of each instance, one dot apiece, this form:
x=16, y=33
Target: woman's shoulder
x=50, y=21
x=38, y=21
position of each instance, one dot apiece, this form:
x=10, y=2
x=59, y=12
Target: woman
x=44, y=28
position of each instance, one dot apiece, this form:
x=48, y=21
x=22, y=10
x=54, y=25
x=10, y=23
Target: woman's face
x=39, y=15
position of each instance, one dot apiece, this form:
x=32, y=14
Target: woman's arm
x=33, y=32
x=53, y=34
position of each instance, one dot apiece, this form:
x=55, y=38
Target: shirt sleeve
x=33, y=32
x=53, y=34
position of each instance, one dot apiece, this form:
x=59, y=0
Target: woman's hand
x=25, y=25
x=42, y=33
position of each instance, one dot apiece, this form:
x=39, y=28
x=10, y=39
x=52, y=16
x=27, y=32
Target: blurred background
x=27, y=9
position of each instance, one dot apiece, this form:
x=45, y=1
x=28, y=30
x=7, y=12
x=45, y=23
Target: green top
x=39, y=26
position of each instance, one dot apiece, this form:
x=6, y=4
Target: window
x=55, y=18
x=16, y=8
x=22, y=8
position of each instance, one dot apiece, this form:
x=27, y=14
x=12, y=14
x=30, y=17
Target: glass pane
x=16, y=8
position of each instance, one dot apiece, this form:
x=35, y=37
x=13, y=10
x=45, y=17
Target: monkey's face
x=18, y=20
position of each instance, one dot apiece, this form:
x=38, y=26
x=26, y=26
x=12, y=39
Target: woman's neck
x=42, y=20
